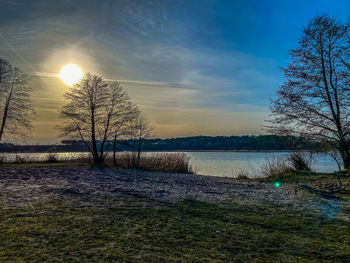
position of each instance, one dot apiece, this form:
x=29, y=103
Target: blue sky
x=195, y=67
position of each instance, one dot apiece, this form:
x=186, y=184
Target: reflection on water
x=227, y=164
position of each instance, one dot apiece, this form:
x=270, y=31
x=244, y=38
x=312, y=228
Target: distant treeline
x=197, y=143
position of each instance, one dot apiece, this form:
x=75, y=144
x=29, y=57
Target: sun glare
x=71, y=74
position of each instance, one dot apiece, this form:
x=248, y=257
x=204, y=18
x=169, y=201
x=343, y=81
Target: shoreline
x=169, y=187
x=170, y=151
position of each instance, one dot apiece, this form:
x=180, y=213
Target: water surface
x=232, y=164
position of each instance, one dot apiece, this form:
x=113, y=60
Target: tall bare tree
x=92, y=112
x=16, y=111
x=314, y=100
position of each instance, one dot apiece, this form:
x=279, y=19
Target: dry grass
x=276, y=167
x=279, y=167
x=301, y=161
x=243, y=176
x=48, y=158
x=162, y=162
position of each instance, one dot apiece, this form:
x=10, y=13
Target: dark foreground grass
x=141, y=230
x=306, y=177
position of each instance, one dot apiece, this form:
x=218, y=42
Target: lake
x=232, y=164
x=227, y=164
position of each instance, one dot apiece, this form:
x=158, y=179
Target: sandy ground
x=26, y=186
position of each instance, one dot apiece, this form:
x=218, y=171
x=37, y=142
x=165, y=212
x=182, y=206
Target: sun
x=71, y=74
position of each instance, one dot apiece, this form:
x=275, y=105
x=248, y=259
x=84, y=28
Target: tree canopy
x=16, y=111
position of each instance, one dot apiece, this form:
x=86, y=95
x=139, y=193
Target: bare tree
x=16, y=111
x=121, y=123
x=92, y=112
x=143, y=129
x=314, y=100
x=138, y=130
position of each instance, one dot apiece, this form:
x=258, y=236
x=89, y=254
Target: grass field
x=141, y=230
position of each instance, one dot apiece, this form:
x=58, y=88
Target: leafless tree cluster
x=140, y=129
x=16, y=112
x=98, y=112
x=314, y=100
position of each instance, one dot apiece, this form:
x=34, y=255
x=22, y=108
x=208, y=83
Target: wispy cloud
x=183, y=86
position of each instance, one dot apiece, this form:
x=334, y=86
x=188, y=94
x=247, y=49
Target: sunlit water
x=227, y=164
x=233, y=164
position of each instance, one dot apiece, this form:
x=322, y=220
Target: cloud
x=190, y=122
x=185, y=88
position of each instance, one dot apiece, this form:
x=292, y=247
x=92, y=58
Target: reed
x=161, y=162
x=48, y=158
x=301, y=161
x=276, y=167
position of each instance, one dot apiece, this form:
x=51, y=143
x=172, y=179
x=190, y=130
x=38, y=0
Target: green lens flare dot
x=277, y=184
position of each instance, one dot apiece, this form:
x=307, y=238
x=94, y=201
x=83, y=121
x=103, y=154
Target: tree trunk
x=138, y=153
x=95, y=155
x=133, y=157
x=4, y=117
x=115, y=149
x=101, y=158
x=344, y=152
x=104, y=139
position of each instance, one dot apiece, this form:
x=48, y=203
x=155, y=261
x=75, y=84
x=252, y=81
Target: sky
x=199, y=67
